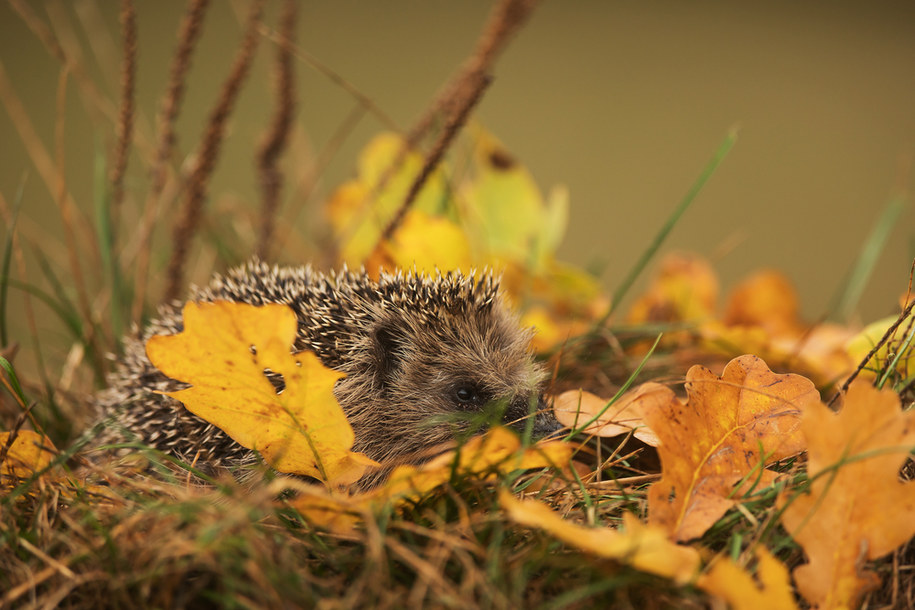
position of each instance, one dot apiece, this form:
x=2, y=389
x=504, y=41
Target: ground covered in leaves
x=718, y=449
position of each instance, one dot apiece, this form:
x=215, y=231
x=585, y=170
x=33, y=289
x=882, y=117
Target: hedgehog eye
x=467, y=394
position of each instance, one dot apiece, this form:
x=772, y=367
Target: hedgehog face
x=434, y=375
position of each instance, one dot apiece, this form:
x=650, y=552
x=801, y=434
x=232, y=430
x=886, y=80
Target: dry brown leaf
x=738, y=588
x=644, y=547
x=856, y=509
x=576, y=407
x=729, y=429
x=301, y=430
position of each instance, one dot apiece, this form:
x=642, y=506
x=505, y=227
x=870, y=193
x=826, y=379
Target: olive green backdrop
x=623, y=102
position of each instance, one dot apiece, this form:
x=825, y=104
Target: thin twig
x=883, y=340
x=302, y=55
x=452, y=127
x=503, y=22
x=278, y=136
x=189, y=216
x=126, y=115
x=188, y=35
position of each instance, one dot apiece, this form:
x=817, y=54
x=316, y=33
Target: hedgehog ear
x=387, y=352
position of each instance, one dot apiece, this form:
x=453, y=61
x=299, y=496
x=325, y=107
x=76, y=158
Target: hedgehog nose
x=545, y=423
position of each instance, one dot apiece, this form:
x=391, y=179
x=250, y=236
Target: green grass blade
x=902, y=350
x=14, y=380
x=5, y=264
x=623, y=388
x=867, y=258
x=672, y=220
x=106, y=238
x=59, y=302
x=72, y=322
x=69, y=313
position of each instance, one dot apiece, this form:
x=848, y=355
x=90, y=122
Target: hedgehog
x=421, y=354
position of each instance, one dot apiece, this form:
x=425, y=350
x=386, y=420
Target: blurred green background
x=622, y=102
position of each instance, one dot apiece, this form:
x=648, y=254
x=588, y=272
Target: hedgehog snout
x=520, y=411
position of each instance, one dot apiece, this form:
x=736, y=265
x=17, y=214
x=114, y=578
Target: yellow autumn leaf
x=730, y=428
x=506, y=208
x=426, y=243
x=644, y=547
x=497, y=451
x=332, y=512
x=741, y=591
x=360, y=209
x=561, y=301
x=856, y=509
x=29, y=453
x=224, y=352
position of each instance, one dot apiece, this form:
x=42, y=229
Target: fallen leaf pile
x=760, y=316
x=715, y=449
x=727, y=443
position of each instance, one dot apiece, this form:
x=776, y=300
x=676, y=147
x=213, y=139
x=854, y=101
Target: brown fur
x=421, y=355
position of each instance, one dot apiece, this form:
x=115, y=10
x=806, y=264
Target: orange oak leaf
x=644, y=547
x=766, y=299
x=224, y=352
x=728, y=430
x=738, y=588
x=856, y=508
x=685, y=290
x=576, y=408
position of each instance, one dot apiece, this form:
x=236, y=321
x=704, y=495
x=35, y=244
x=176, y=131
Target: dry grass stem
x=462, y=91
x=188, y=36
x=452, y=126
x=906, y=313
x=504, y=21
x=364, y=100
x=35, y=148
x=126, y=114
x=278, y=135
x=96, y=101
x=188, y=221
x=68, y=210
